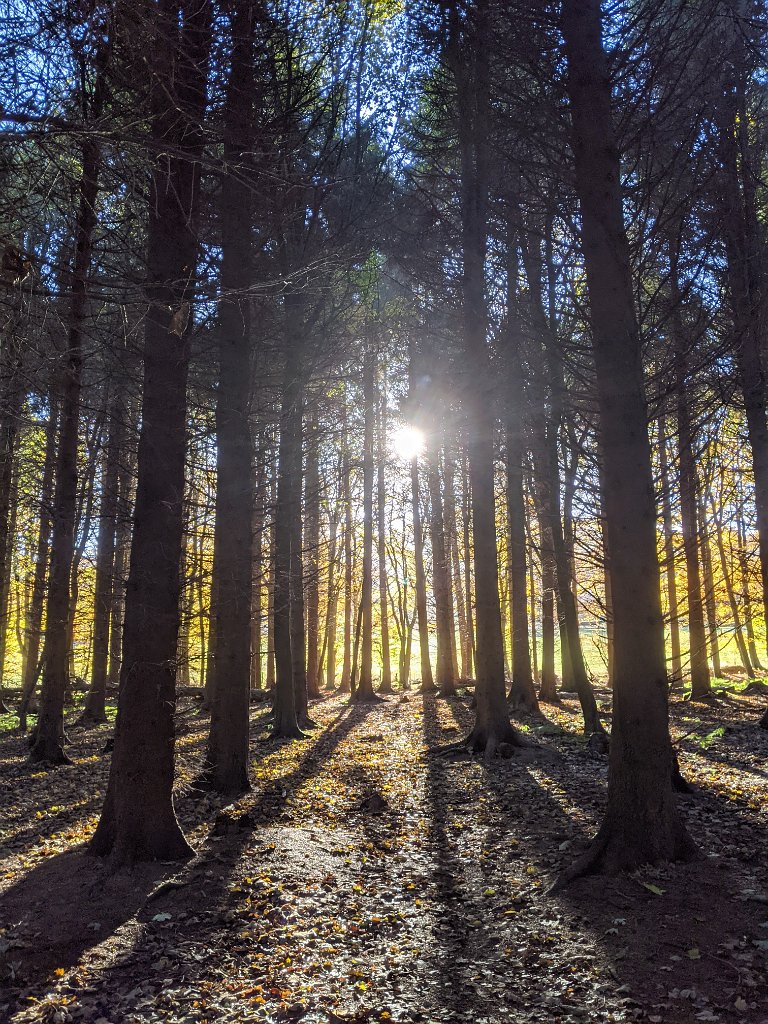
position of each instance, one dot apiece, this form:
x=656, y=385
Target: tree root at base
x=599, y=859
x=490, y=745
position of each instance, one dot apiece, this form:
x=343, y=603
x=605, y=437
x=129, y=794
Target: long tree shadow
x=69, y=904
x=640, y=925
x=482, y=894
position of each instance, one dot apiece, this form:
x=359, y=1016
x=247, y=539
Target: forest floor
x=368, y=879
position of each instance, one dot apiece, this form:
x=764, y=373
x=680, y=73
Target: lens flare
x=407, y=442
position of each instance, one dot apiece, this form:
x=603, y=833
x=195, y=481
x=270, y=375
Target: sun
x=407, y=442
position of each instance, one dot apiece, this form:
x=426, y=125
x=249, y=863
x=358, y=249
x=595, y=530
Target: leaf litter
x=367, y=880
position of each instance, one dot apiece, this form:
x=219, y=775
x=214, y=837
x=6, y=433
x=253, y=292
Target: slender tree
x=226, y=759
x=48, y=743
x=642, y=823
x=138, y=821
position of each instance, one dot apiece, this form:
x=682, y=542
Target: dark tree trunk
x=333, y=599
x=610, y=654
x=297, y=607
x=710, y=603
x=95, y=704
x=642, y=823
x=546, y=427
x=466, y=540
x=445, y=674
x=381, y=538
x=449, y=476
x=119, y=581
x=298, y=617
x=312, y=513
x=363, y=691
x=209, y=661
x=11, y=403
x=257, y=566
x=572, y=649
x=532, y=597
x=5, y=583
x=548, y=688
x=346, y=501
x=742, y=234
x=185, y=602
x=467, y=53
x=226, y=757
x=427, y=682
x=522, y=694
x=285, y=710
x=83, y=519
x=689, y=487
x=669, y=553
x=271, y=585
x=42, y=558
x=138, y=821
x=48, y=744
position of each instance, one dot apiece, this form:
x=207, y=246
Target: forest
x=383, y=511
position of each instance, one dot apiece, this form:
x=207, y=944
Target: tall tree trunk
x=138, y=821
x=285, y=710
x=523, y=691
x=5, y=583
x=95, y=704
x=642, y=823
x=381, y=538
x=297, y=607
x=522, y=694
x=83, y=519
x=746, y=595
x=427, y=682
x=466, y=540
x=312, y=513
x=669, y=552
x=570, y=470
x=185, y=610
x=346, y=501
x=257, y=564
x=532, y=604
x=48, y=744
x=548, y=688
x=445, y=676
x=610, y=645
x=123, y=533
x=742, y=232
x=203, y=619
x=210, y=657
x=226, y=756
x=689, y=486
x=710, y=602
x=363, y=692
x=42, y=558
x=546, y=426
x=333, y=597
x=271, y=567
x=11, y=402
x=449, y=476
x=468, y=58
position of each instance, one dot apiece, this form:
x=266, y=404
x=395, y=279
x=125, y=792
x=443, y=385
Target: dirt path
x=367, y=879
